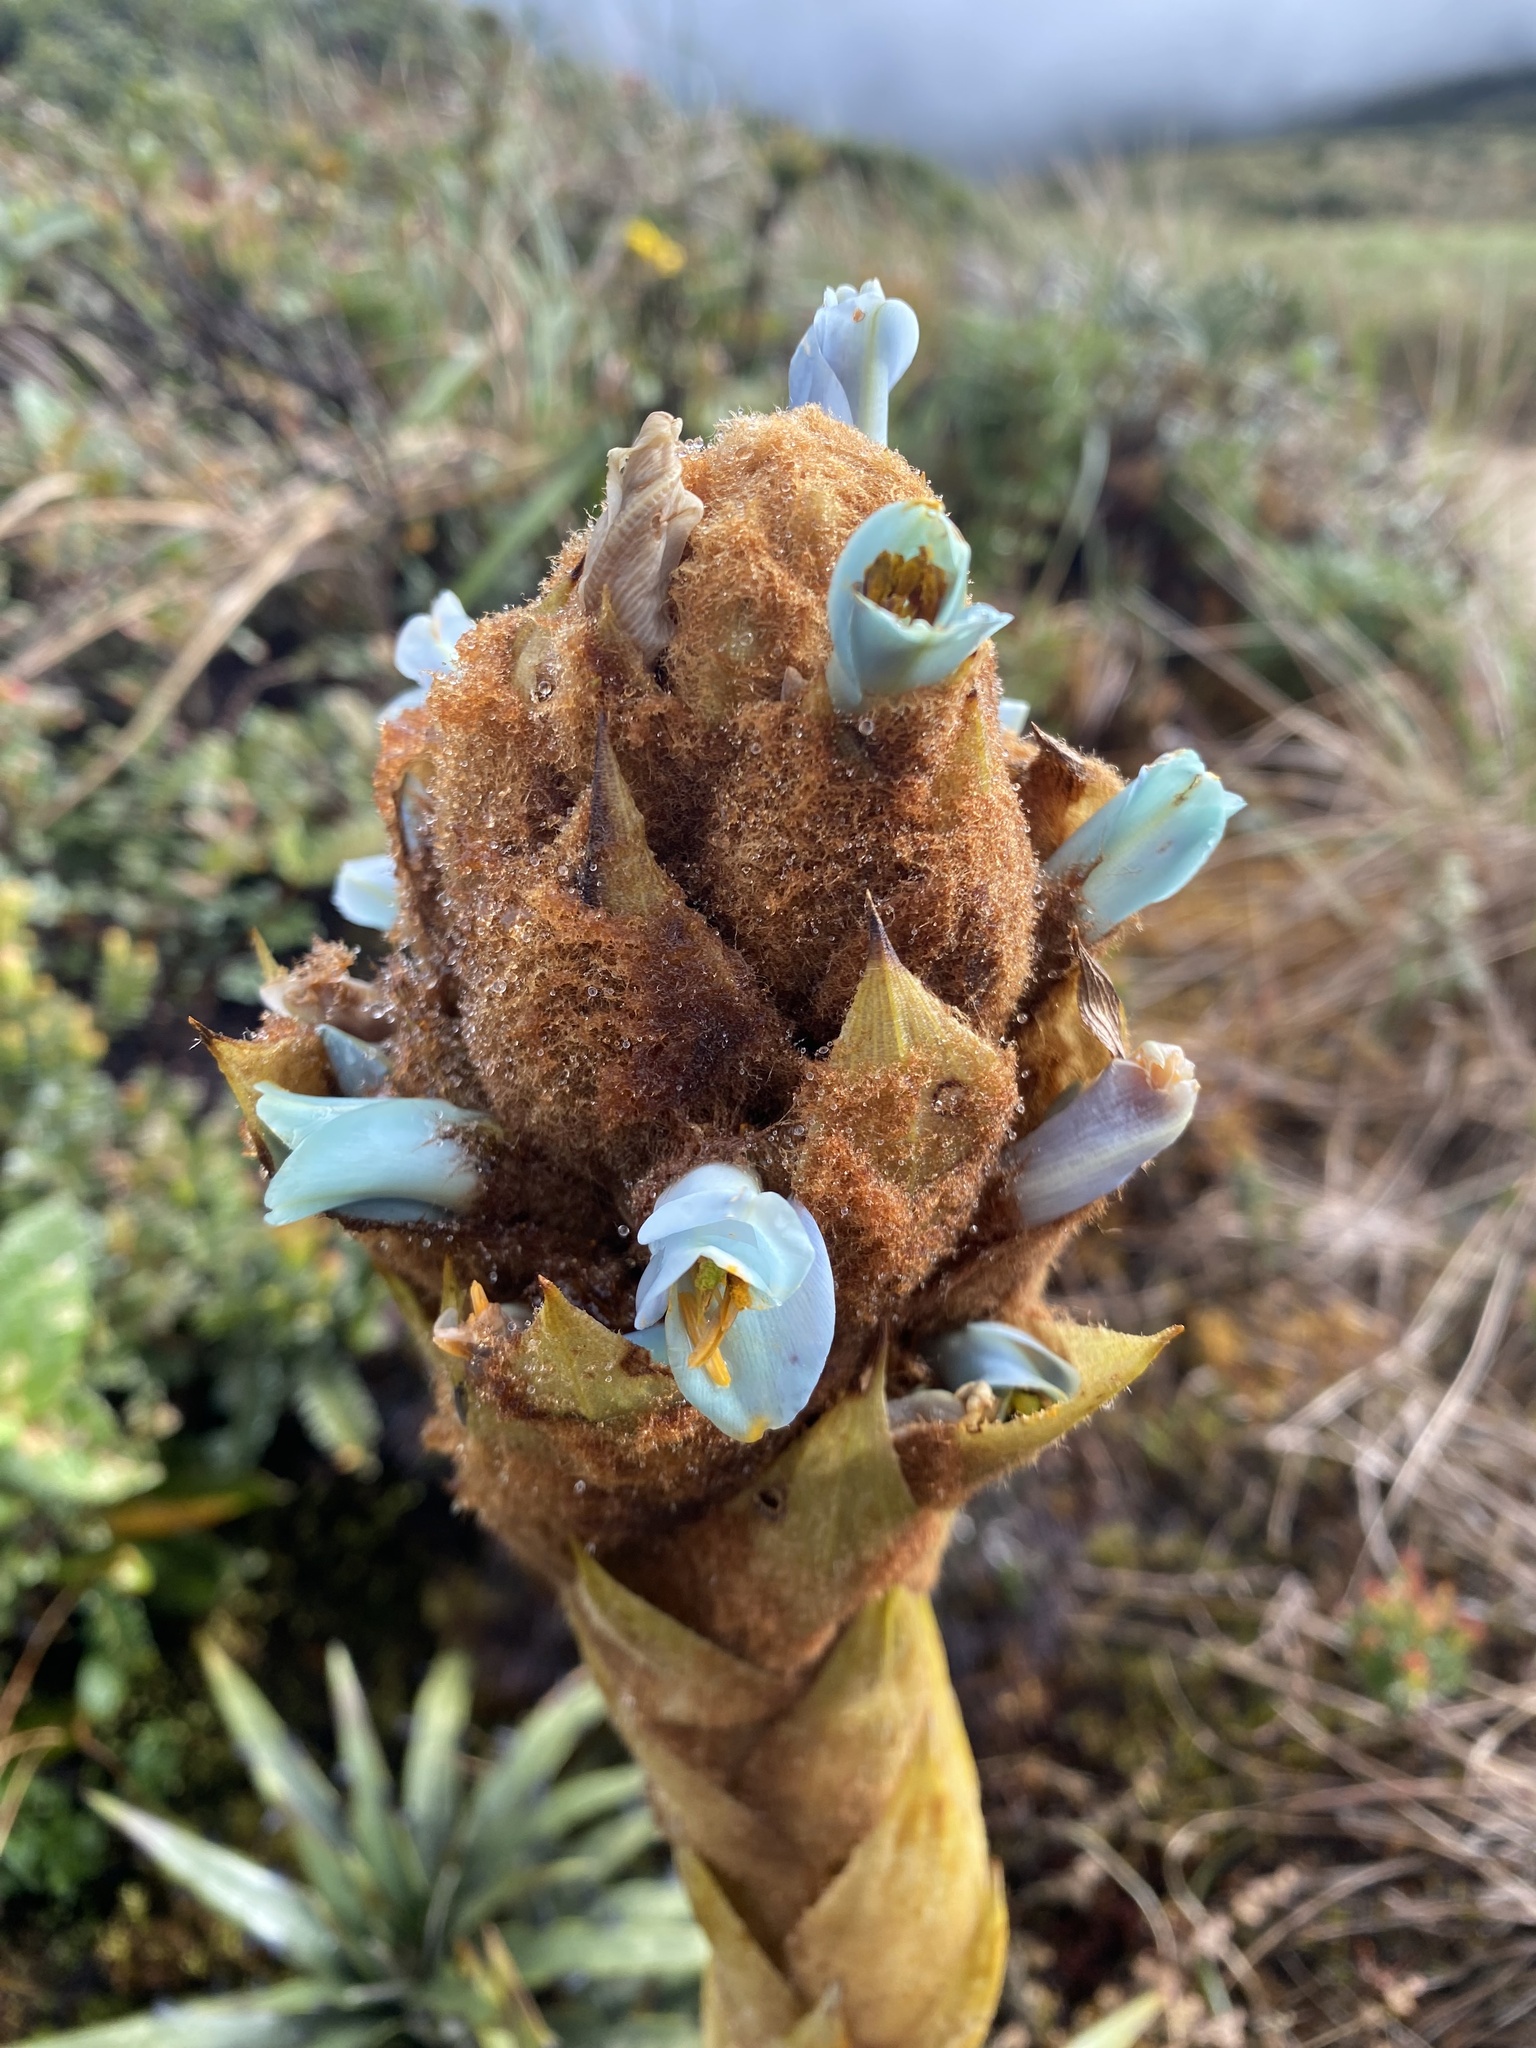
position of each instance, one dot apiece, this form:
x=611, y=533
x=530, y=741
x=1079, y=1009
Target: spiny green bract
x=435, y=1911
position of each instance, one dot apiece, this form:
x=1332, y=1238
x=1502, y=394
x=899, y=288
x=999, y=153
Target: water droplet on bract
x=866, y=726
x=623, y=1230
x=581, y=1486
x=543, y=691
x=624, y=1044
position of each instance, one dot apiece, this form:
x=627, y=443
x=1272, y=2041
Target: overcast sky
x=991, y=82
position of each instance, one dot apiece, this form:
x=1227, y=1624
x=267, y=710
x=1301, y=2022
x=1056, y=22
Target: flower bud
x=1005, y=1359
x=376, y=1159
x=1145, y=843
x=858, y=345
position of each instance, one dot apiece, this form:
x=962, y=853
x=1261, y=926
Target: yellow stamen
x=911, y=586
x=709, y=1299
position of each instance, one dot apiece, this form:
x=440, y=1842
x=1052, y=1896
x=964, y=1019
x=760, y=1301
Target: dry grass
x=1355, y=982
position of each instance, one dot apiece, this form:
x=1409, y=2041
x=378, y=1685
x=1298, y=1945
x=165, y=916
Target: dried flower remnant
x=367, y=892
x=1096, y=1141
x=742, y=1280
x=1143, y=845
x=426, y=646
x=377, y=1159
x=857, y=347
x=897, y=608
x=639, y=536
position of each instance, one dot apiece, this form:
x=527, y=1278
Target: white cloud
x=998, y=81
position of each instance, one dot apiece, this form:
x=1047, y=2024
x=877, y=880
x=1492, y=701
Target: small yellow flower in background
x=654, y=246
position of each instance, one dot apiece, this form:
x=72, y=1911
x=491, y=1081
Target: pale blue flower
x=426, y=646
x=1006, y=1359
x=741, y=1284
x=897, y=609
x=360, y=1068
x=378, y=1159
x=1146, y=842
x=1013, y=714
x=1097, y=1140
x=859, y=344
x=366, y=892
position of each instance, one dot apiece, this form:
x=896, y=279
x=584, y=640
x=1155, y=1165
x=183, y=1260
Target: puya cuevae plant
x=742, y=1062
x=430, y=1912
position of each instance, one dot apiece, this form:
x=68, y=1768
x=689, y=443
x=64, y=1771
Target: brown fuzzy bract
x=633, y=882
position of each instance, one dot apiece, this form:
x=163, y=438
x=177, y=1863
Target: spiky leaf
x=271, y=1909
x=431, y=1773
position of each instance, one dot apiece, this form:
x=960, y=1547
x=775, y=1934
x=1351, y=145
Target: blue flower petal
x=380, y=1158
x=721, y=1213
x=858, y=345
x=775, y=1355
x=366, y=892
x=874, y=652
x=360, y=1068
x=812, y=381
x=1146, y=842
x=1005, y=1358
x=425, y=645
x=1013, y=714
x=1134, y=1110
x=408, y=700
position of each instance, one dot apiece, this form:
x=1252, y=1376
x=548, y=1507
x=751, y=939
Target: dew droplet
x=866, y=726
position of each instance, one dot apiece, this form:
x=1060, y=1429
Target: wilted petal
x=366, y=892
x=360, y=1068
x=1146, y=842
x=857, y=347
x=896, y=606
x=381, y=1159
x=1133, y=1111
x=1004, y=1358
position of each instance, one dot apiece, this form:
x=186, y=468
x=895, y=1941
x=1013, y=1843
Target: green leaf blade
x=430, y=1777
x=273, y=1911
x=281, y=1769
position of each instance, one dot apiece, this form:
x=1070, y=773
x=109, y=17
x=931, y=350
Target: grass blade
x=271, y=1909
x=388, y=1852
x=1124, y=2027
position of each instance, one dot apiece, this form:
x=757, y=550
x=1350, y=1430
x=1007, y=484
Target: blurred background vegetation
x=309, y=310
